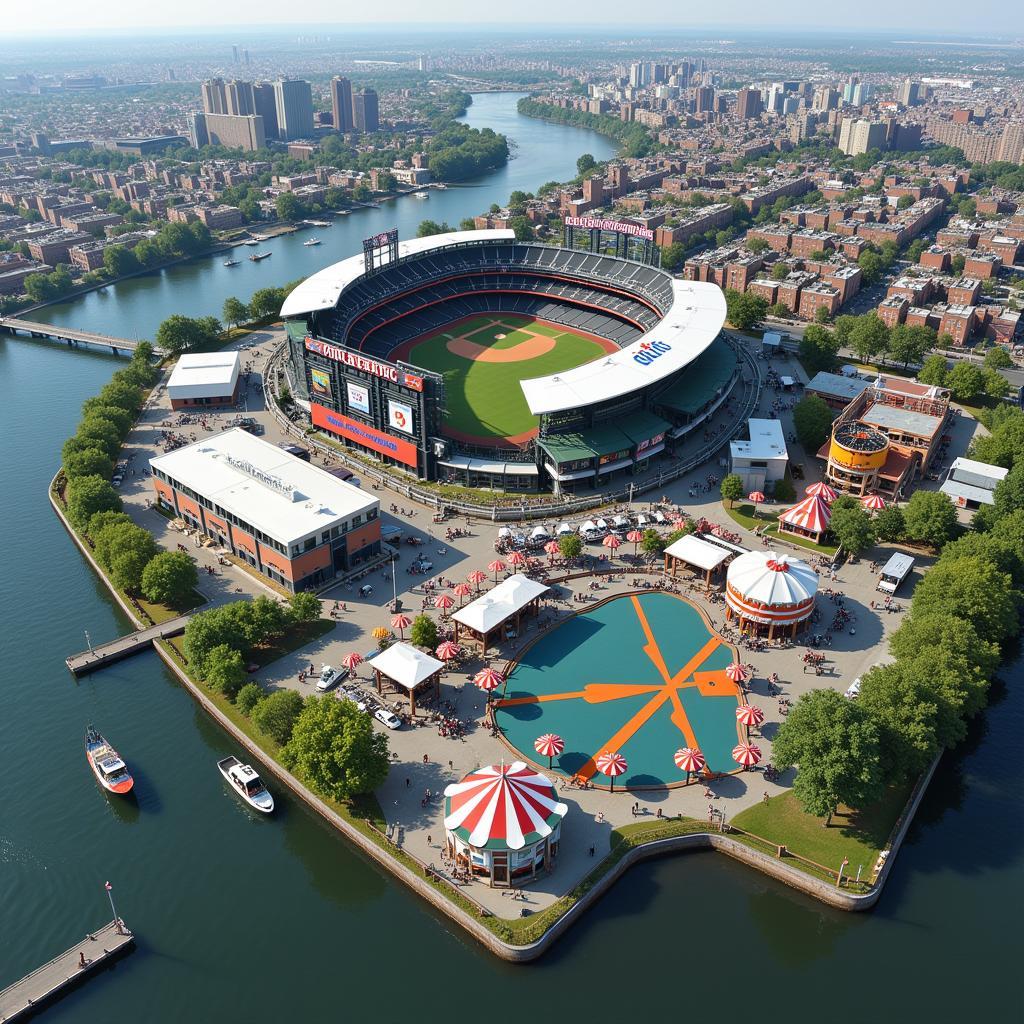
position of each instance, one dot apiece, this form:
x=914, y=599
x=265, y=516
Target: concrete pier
x=98, y=949
x=114, y=650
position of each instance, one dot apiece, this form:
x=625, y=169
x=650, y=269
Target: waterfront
x=251, y=920
x=135, y=307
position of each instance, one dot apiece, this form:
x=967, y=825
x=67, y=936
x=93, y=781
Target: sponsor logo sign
x=275, y=483
x=368, y=437
x=644, y=445
x=601, y=224
x=320, y=382
x=386, y=371
x=358, y=397
x=648, y=351
x=400, y=416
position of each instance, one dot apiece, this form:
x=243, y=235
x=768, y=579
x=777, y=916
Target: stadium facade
x=602, y=421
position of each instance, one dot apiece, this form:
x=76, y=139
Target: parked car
x=330, y=677
x=385, y=717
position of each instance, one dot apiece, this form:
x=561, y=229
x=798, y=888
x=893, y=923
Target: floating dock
x=98, y=949
x=103, y=654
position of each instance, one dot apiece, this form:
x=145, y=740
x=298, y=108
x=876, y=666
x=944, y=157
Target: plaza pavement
x=592, y=813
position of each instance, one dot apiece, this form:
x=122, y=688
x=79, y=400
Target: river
x=134, y=308
x=266, y=920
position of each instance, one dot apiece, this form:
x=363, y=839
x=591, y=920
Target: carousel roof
x=811, y=514
x=503, y=807
x=772, y=579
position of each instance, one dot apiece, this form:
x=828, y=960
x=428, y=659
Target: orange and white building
x=293, y=522
x=769, y=593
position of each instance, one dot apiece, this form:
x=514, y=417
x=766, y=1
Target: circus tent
x=809, y=518
x=767, y=592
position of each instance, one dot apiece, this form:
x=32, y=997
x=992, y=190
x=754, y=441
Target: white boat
x=251, y=241
x=246, y=783
x=422, y=195
x=312, y=241
x=231, y=263
x=440, y=186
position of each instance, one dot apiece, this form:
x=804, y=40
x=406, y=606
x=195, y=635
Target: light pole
x=113, y=910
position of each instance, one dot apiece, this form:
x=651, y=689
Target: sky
x=953, y=17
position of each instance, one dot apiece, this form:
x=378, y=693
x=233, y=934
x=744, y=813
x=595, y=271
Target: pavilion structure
x=770, y=594
x=809, y=518
x=700, y=555
x=409, y=670
x=487, y=619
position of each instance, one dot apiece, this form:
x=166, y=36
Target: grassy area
x=161, y=613
x=857, y=835
x=295, y=636
x=766, y=521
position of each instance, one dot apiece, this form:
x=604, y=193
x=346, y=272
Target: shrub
x=275, y=715
x=248, y=697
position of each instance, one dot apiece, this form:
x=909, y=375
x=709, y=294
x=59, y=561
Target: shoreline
x=773, y=867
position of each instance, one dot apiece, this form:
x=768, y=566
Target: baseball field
x=483, y=358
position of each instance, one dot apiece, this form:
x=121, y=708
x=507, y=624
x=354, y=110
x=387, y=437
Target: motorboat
x=257, y=256
x=106, y=763
x=440, y=186
x=231, y=263
x=246, y=783
x=251, y=241
x=422, y=195
x=311, y=241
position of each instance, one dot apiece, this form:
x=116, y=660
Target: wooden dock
x=31, y=993
x=123, y=647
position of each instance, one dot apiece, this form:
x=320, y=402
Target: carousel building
x=503, y=822
x=769, y=593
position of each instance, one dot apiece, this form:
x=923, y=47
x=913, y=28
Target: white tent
x=539, y=533
x=563, y=528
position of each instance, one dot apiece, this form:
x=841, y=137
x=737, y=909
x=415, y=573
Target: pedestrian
x=450, y=766
x=591, y=851
x=81, y=959
x=426, y=758
x=430, y=840
x=408, y=783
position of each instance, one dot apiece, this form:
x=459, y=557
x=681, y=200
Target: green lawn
x=484, y=399
x=744, y=515
x=857, y=835
x=295, y=636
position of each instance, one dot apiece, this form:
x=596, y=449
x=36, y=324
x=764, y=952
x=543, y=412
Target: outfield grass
x=484, y=399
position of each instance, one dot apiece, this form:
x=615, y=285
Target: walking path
x=103, y=654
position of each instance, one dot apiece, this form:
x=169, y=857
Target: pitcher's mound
x=500, y=337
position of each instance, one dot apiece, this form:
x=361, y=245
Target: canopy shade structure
x=695, y=552
x=764, y=588
x=498, y=605
x=408, y=668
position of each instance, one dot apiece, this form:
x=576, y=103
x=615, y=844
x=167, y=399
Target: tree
x=779, y=310
x=998, y=358
x=732, y=488
x=673, y=256
x=335, y=749
x=275, y=715
x=248, y=697
x=121, y=418
x=780, y=271
x=521, y=228
x=995, y=384
x=101, y=520
x=179, y=333
x=871, y=266
x=653, y=543
x=869, y=336
x=170, y=578
x=973, y=590
x=906, y=715
x=933, y=371
x=944, y=633
x=818, y=348
x=584, y=163
x=88, y=495
x=423, y=632
x=909, y=344
x=851, y=525
x=103, y=433
x=225, y=670
x=121, y=391
x=836, y=746
x=758, y=246
x=125, y=551
x=431, y=227
x=305, y=607
x=965, y=381
x=288, y=207
x=890, y=525
x=266, y=302
x=570, y=546
x=904, y=201
x=812, y=420
x=957, y=263
x=745, y=309
x=88, y=462
x=118, y=261
x=234, y=312
x=930, y=518
x=821, y=315
x=209, y=629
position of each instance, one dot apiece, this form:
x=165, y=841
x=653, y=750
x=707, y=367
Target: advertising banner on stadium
x=345, y=356
x=367, y=437
x=358, y=397
x=319, y=383
x=400, y=416
x=601, y=224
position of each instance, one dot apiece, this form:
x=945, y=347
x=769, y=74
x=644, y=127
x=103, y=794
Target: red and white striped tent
x=748, y=715
x=873, y=502
x=549, y=745
x=689, y=760
x=736, y=672
x=447, y=651
x=498, y=809
x=746, y=754
x=821, y=490
x=810, y=518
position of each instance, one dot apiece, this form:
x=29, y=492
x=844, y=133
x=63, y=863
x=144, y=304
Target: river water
x=259, y=921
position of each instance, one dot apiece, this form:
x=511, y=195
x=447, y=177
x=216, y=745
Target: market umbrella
x=496, y=566
x=746, y=754
x=612, y=542
x=552, y=549
x=821, y=490
x=611, y=763
x=488, y=680
x=516, y=559
x=756, y=497
x=448, y=651
x=461, y=590
x=748, y=715
x=401, y=623
x=380, y=633
x=477, y=576
x=352, y=661
x=634, y=537
x=444, y=602
x=873, y=502
x=549, y=745
x=689, y=760
x=736, y=672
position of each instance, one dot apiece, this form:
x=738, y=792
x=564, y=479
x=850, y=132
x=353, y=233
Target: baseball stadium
x=472, y=358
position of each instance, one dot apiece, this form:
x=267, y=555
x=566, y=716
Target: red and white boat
x=106, y=763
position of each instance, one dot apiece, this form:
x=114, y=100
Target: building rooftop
x=767, y=441
x=839, y=386
x=891, y=419
x=198, y=374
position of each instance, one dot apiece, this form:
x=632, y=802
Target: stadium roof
x=324, y=288
x=691, y=324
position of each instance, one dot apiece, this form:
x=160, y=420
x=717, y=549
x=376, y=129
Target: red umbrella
x=477, y=576
x=488, y=680
x=634, y=537
x=549, y=745
x=746, y=754
x=352, y=661
x=401, y=623
x=552, y=548
x=461, y=590
x=748, y=715
x=444, y=602
x=689, y=760
x=516, y=559
x=821, y=490
x=612, y=542
x=756, y=497
x=736, y=672
x=448, y=651
x=496, y=566
x=873, y=502
x=611, y=764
